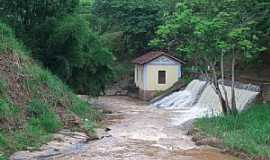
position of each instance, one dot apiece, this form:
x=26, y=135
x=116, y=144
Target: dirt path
x=142, y=132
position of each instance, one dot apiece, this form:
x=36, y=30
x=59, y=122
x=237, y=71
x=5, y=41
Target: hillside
x=33, y=102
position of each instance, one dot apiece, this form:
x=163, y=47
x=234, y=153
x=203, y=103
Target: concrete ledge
x=146, y=95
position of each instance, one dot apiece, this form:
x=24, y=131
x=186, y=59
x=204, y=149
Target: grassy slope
x=248, y=132
x=33, y=102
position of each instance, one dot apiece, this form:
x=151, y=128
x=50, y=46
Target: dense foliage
x=210, y=33
x=62, y=41
x=26, y=15
x=136, y=20
x=207, y=28
x=75, y=53
x=194, y=29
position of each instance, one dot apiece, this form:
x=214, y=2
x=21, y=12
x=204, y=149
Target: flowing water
x=136, y=131
x=184, y=98
x=142, y=132
x=199, y=99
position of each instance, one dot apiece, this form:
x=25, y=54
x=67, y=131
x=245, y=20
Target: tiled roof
x=148, y=57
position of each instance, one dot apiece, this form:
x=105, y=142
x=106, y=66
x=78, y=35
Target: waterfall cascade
x=185, y=98
x=199, y=99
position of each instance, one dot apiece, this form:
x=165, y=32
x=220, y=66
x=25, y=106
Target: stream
x=142, y=132
x=133, y=130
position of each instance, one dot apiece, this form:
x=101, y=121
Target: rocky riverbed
x=137, y=131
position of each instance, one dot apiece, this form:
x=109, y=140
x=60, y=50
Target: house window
x=161, y=77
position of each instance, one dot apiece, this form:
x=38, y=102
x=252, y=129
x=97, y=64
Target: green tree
x=76, y=54
x=62, y=41
x=209, y=32
x=26, y=14
x=137, y=20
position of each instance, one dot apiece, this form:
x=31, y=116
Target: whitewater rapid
x=200, y=100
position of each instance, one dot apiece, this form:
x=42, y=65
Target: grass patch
x=48, y=121
x=2, y=157
x=10, y=115
x=22, y=139
x=36, y=108
x=31, y=136
x=249, y=131
x=8, y=41
x=3, y=88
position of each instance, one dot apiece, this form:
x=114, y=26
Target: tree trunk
x=222, y=101
x=222, y=83
x=218, y=91
x=233, y=101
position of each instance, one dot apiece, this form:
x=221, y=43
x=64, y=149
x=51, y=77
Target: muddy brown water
x=141, y=132
x=136, y=131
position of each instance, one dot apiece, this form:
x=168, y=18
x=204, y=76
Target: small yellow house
x=156, y=71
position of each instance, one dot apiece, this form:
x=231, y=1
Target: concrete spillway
x=199, y=99
x=185, y=98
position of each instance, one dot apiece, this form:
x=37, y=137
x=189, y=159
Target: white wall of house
x=147, y=76
x=139, y=76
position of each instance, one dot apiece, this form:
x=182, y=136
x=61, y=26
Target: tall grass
x=249, y=131
x=3, y=88
x=8, y=42
x=10, y=115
